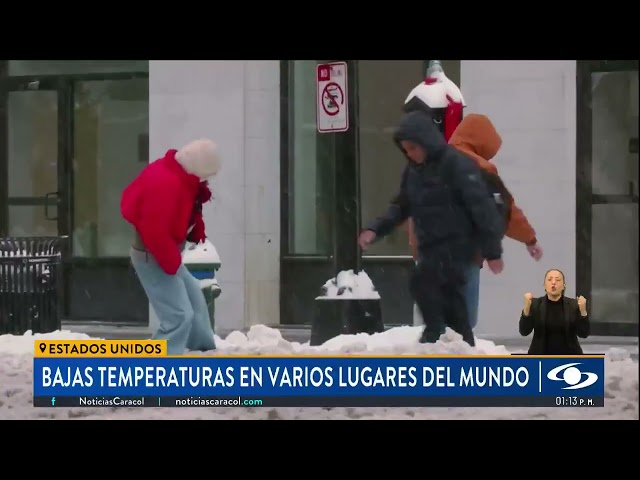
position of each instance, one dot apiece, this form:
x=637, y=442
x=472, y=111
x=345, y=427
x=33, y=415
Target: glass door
x=608, y=213
x=110, y=143
x=388, y=262
x=69, y=144
x=31, y=161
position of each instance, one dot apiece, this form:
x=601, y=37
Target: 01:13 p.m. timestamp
x=572, y=401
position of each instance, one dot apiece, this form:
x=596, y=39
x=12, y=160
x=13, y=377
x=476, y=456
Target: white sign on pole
x=332, y=109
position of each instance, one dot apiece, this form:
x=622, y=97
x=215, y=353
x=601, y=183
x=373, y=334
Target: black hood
x=418, y=127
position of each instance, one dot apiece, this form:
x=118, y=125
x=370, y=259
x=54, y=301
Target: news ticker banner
x=96, y=373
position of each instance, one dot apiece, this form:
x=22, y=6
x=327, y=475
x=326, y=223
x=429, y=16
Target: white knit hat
x=200, y=158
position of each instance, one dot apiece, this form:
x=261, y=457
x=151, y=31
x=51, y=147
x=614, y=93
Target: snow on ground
x=16, y=378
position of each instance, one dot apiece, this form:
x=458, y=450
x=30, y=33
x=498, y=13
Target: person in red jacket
x=164, y=205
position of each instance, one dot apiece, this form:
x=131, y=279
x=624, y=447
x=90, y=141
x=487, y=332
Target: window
x=383, y=87
x=111, y=138
x=311, y=162
x=32, y=152
x=33, y=143
x=614, y=213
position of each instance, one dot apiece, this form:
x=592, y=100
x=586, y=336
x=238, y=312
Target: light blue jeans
x=472, y=293
x=179, y=303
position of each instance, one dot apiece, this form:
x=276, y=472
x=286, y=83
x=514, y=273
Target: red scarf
x=197, y=234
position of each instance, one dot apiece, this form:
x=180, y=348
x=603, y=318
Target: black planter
x=334, y=317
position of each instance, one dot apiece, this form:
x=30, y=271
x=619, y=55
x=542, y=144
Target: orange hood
x=477, y=136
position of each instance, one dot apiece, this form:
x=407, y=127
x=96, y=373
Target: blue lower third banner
x=350, y=381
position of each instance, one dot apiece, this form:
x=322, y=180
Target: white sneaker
x=215, y=288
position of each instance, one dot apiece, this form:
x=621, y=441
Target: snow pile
x=621, y=384
x=23, y=344
x=200, y=253
x=16, y=378
x=349, y=285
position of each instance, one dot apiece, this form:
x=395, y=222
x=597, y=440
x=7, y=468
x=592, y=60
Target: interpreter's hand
x=366, y=238
x=582, y=305
x=496, y=266
x=528, y=297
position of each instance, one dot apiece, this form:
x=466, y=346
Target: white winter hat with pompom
x=200, y=158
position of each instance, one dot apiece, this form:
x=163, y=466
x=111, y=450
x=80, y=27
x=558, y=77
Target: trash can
x=203, y=262
x=348, y=305
x=30, y=284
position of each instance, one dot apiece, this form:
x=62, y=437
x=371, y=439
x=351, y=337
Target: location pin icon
x=43, y=347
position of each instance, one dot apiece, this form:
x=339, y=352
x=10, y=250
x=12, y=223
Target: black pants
x=438, y=290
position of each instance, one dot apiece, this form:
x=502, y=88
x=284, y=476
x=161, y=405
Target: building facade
x=290, y=201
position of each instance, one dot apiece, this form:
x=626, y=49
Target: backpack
x=501, y=195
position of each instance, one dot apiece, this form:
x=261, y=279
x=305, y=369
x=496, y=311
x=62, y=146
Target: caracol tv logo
x=572, y=376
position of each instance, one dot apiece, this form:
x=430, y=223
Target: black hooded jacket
x=452, y=210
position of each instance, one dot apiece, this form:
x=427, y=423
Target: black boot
x=430, y=335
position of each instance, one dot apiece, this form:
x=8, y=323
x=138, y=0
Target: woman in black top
x=556, y=321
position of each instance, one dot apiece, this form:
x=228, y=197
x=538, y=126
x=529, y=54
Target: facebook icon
x=53, y=401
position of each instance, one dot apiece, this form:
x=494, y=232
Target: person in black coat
x=454, y=216
x=556, y=321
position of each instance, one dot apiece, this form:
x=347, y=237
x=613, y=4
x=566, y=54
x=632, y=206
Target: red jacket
x=161, y=203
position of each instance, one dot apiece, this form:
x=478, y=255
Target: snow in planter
x=349, y=285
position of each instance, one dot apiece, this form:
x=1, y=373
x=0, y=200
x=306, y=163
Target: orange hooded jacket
x=477, y=138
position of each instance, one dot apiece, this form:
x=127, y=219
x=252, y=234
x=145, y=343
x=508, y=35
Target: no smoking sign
x=331, y=93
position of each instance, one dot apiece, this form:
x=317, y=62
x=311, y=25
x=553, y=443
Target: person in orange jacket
x=477, y=138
